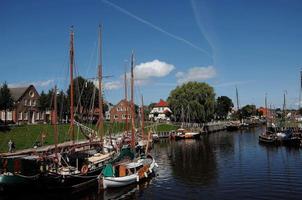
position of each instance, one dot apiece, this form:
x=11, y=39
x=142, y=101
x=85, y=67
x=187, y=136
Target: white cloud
x=196, y=74
x=155, y=68
x=113, y=85
x=41, y=84
x=110, y=85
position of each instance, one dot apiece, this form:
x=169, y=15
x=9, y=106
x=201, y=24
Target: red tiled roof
x=161, y=103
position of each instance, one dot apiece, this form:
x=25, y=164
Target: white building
x=160, y=111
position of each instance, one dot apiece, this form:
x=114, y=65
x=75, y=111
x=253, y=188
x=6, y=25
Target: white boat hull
x=113, y=182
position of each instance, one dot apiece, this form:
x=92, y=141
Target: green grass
x=165, y=127
x=25, y=136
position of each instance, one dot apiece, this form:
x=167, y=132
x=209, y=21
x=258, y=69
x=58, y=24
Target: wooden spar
x=126, y=99
x=100, y=79
x=132, y=104
x=148, y=140
x=237, y=99
x=55, y=120
x=71, y=54
x=266, y=111
x=143, y=118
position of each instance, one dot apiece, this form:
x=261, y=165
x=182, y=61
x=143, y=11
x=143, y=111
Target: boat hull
x=190, y=136
x=114, y=182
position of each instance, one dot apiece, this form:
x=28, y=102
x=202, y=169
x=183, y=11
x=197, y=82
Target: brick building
x=118, y=112
x=25, y=106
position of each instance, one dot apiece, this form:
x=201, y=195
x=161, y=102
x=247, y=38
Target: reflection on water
x=223, y=165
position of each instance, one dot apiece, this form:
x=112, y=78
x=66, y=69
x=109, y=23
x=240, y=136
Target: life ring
x=84, y=169
x=55, y=160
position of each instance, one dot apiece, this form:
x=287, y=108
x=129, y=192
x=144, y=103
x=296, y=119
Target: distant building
x=25, y=106
x=120, y=111
x=107, y=113
x=263, y=111
x=160, y=111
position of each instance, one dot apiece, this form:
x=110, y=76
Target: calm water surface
x=223, y=165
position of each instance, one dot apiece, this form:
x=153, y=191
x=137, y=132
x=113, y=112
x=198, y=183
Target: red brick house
x=25, y=106
x=119, y=111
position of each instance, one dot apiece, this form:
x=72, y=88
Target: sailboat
x=124, y=172
x=183, y=133
x=267, y=137
x=78, y=165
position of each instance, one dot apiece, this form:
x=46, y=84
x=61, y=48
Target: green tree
x=85, y=96
x=248, y=110
x=62, y=106
x=6, y=100
x=196, y=99
x=223, y=106
x=44, y=102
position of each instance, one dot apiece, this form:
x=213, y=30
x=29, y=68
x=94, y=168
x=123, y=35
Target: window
x=123, y=116
x=115, y=117
x=29, y=102
x=9, y=115
x=37, y=116
x=25, y=102
x=25, y=116
x=34, y=102
x=20, y=116
x=42, y=116
x=31, y=94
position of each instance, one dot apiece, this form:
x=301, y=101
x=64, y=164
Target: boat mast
x=132, y=103
x=100, y=78
x=266, y=109
x=143, y=118
x=71, y=55
x=55, y=126
x=237, y=99
x=126, y=98
x=300, y=89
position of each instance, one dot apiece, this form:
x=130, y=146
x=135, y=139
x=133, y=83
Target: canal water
x=222, y=165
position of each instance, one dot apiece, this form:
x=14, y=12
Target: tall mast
x=237, y=99
x=71, y=55
x=300, y=89
x=143, y=118
x=266, y=109
x=126, y=98
x=55, y=126
x=100, y=78
x=132, y=103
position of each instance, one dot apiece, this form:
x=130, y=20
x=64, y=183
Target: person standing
x=10, y=143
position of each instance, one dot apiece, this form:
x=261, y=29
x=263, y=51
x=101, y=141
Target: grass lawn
x=25, y=136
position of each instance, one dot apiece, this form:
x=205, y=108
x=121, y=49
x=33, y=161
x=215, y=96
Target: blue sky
x=255, y=45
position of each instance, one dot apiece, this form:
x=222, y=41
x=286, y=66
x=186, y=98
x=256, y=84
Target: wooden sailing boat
x=183, y=133
x=77, y=167
x=124, y=171
x=267, y=136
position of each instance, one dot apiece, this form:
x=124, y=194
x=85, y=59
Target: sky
x=254, y=45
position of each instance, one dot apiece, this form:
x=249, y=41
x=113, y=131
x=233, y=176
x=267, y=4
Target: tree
x=62, y=106
x=44, y=101
x=85, y=96
x=196, y=99
x=6, y=100
x=223, y=106
x=248, y=111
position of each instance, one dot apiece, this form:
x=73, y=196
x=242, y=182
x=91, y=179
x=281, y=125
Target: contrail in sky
x=156, y=27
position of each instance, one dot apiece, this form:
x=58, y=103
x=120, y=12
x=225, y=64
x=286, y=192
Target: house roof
x=161, y=103
x=18, y=92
